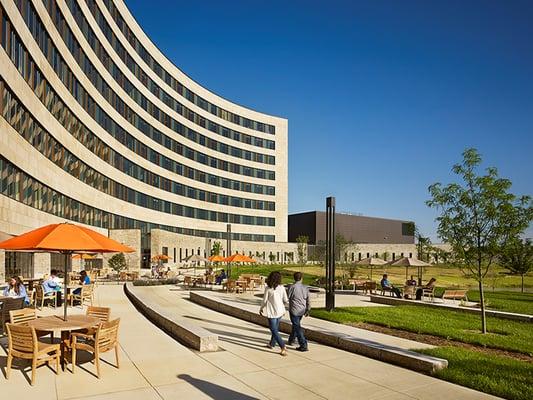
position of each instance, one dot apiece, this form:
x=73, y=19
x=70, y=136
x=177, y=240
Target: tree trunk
x=522, y=283
x=482, y=302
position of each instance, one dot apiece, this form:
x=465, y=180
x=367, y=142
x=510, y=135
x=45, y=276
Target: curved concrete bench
x=183, y=331
x=379, y=351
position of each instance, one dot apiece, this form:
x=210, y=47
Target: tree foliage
x=478, y=216
x=319, y=252
x=517, y=257
x=302, y=241
x=117, y=262
x=216, y=249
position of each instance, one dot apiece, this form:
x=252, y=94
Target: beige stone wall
x=131, y=238
x=191, y=245
x=370, y=250
x=2, y=266
x=41, y=264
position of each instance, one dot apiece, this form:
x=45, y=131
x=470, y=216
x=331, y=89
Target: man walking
x=298, y=307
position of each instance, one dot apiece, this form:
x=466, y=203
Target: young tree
x=319, y=252
x=341, y=245
x=216, y=249
x=477, y=217
x=517, y=257
x=302, y=241
x=117, y=262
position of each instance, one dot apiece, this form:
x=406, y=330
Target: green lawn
x=455, y=325
x=506, y=301
x=447, y=276
x=497, y=375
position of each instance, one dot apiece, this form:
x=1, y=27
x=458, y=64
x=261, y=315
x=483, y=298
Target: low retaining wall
x=394, y=301
x=393, y=355
x=183, y=331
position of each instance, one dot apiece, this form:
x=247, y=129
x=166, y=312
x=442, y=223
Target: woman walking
x=274, y=301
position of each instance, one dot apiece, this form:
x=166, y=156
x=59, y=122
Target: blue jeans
x=297, y=331
x=273, y=325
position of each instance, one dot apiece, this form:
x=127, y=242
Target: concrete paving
x=154, y=366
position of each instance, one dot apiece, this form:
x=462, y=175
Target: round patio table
x=55, y=323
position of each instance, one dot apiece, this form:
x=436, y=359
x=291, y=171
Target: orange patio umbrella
x=216, y=258
x=83, y=256
x=65, y=238
x=160, y=257
x=239, y=258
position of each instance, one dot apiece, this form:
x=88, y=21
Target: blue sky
x=382, y=97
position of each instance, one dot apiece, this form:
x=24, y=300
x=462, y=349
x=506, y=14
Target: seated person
x=53, y=284
x=410, y=282
x=429, y=285
x=385, y=284
x=16, y=289
x=84, y=280
x=220, y=277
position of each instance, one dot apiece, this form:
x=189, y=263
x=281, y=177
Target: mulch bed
x=440, y=341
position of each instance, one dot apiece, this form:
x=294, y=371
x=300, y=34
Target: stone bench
x=394, y=355
x=184, y=331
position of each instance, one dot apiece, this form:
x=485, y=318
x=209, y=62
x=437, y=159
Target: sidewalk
x=154, y=366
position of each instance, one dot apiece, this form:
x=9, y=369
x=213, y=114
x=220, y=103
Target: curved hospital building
x=99, y=128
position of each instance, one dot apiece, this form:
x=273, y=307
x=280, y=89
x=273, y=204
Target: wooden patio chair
x=9, y=304
x=230, y=285
x=104, y=340
x=22, y=316
x=409, y=291
x=25, y=315
x=85, y=296
x=23, y=343
x=41, y=297
x=369, y=286
x=429, y=293
x=386, y=290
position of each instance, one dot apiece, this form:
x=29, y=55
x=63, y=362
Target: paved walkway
x=154, y=366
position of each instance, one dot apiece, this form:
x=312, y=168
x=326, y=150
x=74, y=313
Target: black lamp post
x=228, y=246
x=330, y=253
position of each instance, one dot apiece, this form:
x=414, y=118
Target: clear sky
x=382, y=97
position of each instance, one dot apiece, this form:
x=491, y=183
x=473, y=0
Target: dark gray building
x=354, y=228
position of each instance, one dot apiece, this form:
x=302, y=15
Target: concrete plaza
x=155, y=366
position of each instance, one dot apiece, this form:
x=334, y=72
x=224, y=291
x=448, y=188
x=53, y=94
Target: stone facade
x=131, y=238
x=181, y=246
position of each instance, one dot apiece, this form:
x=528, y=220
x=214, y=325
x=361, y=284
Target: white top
x=274, y=300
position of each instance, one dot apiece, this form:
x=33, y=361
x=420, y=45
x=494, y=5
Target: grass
x=455, y=325
x=447, y=276
x=506, y=301
x=488, y=372
x=497, y=375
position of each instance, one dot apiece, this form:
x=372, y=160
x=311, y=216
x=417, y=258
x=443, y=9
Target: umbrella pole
x=68, y=256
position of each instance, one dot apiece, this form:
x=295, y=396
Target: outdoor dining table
x=56, y=323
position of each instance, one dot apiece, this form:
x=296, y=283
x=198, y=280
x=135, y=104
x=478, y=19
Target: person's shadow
x=215, y=391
